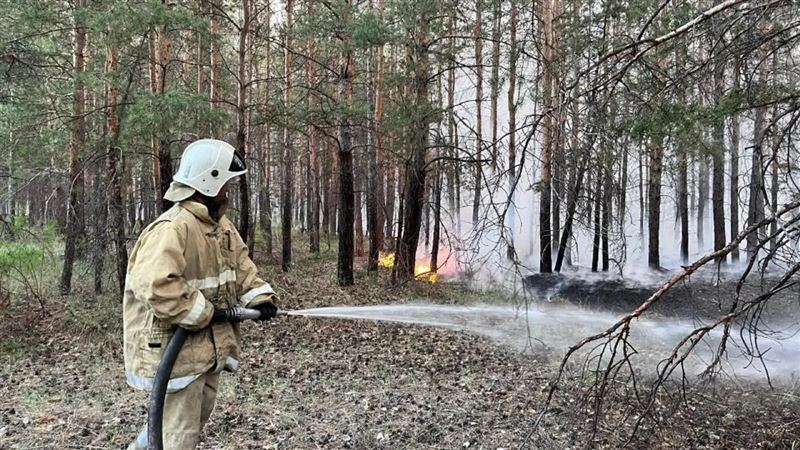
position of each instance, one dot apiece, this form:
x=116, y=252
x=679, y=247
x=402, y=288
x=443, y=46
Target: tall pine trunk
x=654, y=202
x=286, y=192
x=265, y=196
x=495, y=81
x=313, y=145
x=344, y=96
x=476, y=203
x=375, y=169
x=718, y=167
x=242, y=122
x=415, y=178
x=512, y=117
x=545, y=184
x=75, y=211
x=114, y=169
x=734, y=149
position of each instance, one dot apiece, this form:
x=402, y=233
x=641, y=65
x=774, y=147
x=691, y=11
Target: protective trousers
x=185, y=414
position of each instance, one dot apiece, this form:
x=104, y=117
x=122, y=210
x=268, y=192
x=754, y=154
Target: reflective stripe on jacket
x=183, y=266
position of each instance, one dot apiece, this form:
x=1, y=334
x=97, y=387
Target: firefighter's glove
x=268, y=311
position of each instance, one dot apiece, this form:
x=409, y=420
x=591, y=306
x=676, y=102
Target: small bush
x=21, y=264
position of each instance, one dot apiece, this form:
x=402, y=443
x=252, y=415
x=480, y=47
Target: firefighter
x=187, y=263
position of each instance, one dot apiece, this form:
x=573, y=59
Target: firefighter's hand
x=268, y=311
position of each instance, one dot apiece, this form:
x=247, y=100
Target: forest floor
x=319, y=383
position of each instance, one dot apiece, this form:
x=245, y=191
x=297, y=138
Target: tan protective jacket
x=183, y=266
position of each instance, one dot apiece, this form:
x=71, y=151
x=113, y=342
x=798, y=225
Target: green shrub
x=21, y=265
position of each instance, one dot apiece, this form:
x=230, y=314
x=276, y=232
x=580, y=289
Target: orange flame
x=422, y=270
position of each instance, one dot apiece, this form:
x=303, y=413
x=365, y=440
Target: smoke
x=552, y=328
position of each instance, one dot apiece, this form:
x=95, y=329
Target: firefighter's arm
x=253, y=290
x=157, y=277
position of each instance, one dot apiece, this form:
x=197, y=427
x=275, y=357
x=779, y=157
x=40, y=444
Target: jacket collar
x=199, y=210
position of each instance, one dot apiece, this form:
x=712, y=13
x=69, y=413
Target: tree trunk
x=162, y=170
x=357, y=191
x=755, y=209
x=495, y=81
x=153, y=78
x=437, y=220
x=242, y=122
x=391, y=192
x=572, y=204
x=415, y=179
x=654, y=203
x=114, y=169
x=718, y=168
x=511, y=252
x=597, y=213
x=265, y=197
x=325, y=187
x=75, y=214
x=344, y=96
x=286, y=212
x=545, y=184
x=640, y=166
x=683, y=200
x=734, y=192
x=452, y=138
x=216, y=96
x=100, y=222
x=313, y=144
x=775, y=176
x=374, y=172
x=605, y=222
x=702, y=198
x=476, y=204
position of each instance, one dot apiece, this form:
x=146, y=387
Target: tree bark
x=265, y=197
x=683, y=200
x=375, y=171
x=597, y=213
x=313, y=144
x=476, y=204
x=162, y=171
x=286, y=212
x=242, y=122
x=358, y=189
x=511, y=252
x=75, y=212
x=734, y=149
x=216, y=96
x=718, y=168
x=437, y=220
x=114, y=169
x=344, y=96
x=391, y=192
x=702, y=197
x=545, y=184
x=654, y=202
x=605, y=221
x=495, y=81
x=415, y=179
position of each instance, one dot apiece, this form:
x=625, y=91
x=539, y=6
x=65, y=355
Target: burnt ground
x=321, y=383
x=706, y=294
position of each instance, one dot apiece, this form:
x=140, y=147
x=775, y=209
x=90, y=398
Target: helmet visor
x=237, y=163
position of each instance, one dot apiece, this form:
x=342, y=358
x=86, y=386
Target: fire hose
x=155, y=410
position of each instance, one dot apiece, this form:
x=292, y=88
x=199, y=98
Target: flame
x=422, y=270
x=386, y=260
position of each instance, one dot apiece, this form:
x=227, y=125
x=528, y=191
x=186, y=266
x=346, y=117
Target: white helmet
x=206, y=165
